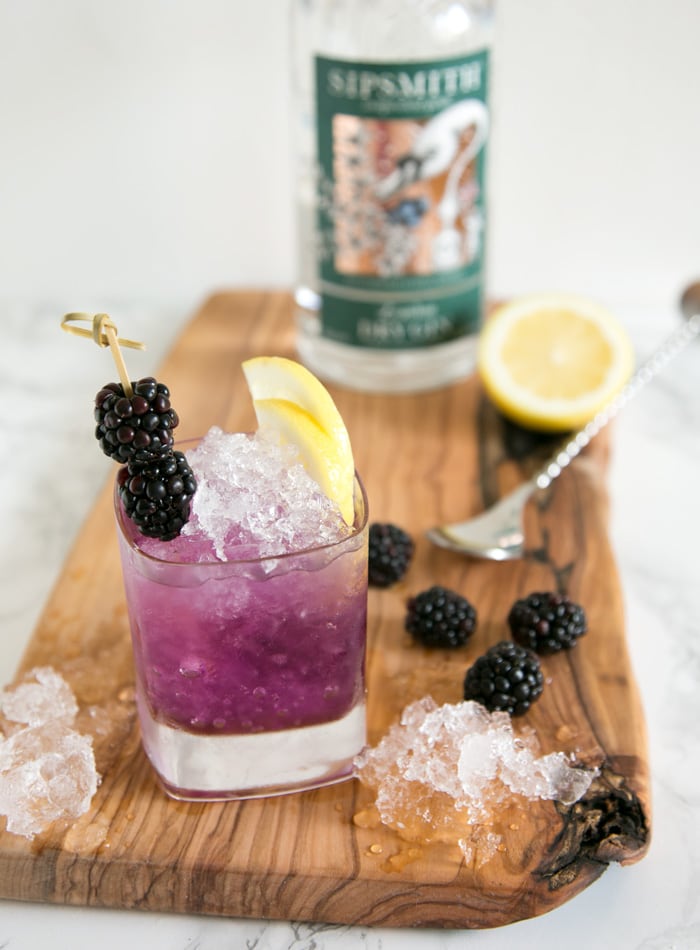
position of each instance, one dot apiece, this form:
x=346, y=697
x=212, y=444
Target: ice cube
x=251, y=489
x=47, y=772
x=445, y=772
x=32, y=703
x=47, y=768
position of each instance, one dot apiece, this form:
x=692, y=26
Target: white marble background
x=53, y=470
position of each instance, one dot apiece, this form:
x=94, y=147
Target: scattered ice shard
x=47, y=769
x=33, y=703
x=442, y=773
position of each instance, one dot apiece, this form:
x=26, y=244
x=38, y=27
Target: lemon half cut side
x=550, y=362
x=293, y=403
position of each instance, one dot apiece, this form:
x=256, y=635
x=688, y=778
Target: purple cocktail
x=249, y=630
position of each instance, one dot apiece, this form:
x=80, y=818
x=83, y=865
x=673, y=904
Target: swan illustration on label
x=439, y=148
x=400, y=198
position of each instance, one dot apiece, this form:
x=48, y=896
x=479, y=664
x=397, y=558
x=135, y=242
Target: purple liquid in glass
x=244, y=647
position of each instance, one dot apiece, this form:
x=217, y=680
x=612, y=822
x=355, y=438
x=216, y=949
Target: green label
x=401, y=167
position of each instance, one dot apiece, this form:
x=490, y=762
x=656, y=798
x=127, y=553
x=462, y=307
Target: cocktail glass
x=250, y=673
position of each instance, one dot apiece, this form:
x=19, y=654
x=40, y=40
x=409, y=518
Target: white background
x=145, y=148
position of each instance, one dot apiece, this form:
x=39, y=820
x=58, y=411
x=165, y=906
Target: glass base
x=195, y=767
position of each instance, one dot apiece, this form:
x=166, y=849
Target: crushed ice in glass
x=442, y=773
x=47, y=769
x=254, y=498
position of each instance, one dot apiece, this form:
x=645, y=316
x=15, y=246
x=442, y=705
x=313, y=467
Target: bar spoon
x=497, y=533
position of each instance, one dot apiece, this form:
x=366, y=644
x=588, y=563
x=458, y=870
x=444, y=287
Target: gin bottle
x=392, y=112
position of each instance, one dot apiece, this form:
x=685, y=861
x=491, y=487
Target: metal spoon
x=497, y=533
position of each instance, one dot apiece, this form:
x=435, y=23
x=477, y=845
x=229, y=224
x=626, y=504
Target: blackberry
x=439, y=617
x=138, y=426
x=546, y=622
x=156, y=495
x=507, y=677
x=390, y=553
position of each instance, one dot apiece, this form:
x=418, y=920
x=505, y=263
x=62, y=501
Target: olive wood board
x=425, y=459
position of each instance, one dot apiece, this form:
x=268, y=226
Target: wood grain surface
x=425, y=459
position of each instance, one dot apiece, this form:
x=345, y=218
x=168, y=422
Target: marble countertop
x=52, y=474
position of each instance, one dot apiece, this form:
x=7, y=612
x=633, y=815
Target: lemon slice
x=550, y=362
x=292, y=402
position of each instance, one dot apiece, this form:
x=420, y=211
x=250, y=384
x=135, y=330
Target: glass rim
x=128, y=529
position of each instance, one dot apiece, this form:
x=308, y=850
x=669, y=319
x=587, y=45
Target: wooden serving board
x=425, y=459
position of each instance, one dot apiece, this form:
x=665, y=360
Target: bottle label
x=400, y=192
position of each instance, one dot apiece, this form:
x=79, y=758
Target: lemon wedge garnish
x=291, y=401
x=550, y=362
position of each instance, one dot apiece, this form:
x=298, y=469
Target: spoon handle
x=671, y=347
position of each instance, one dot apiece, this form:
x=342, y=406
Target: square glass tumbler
x=250, y=674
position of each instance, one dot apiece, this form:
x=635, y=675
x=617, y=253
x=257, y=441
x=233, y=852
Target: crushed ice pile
x=446, y=769
x=47, y=769
x=254, y=491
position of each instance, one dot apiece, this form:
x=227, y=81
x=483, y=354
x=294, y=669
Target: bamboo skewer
x=104, y=333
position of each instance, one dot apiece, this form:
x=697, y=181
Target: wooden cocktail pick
x=104, y=332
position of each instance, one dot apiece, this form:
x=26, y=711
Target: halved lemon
x=291, y=401
x=550, y=362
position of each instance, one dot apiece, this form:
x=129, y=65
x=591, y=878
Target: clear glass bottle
x=391, y=109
